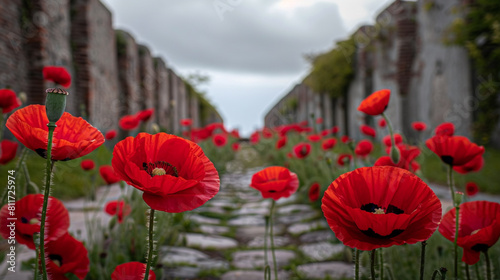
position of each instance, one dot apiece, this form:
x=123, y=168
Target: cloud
x=253, y=37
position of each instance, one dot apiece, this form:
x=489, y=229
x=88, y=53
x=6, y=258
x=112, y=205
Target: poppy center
x=303, y=151
x=375, y=209
x=447, y=159
x=33, y=221
x=474, y=232
x=56, y=259
x=160, y=168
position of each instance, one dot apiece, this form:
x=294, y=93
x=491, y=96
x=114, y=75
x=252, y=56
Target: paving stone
x=210, y=209
x=247, y=233
x=261, y=204
x=248, y=221
x=210, y=229
x=248, y=211
x=279, y=241
x=299, y=217
x=306, y=227
x=321, y=251
x=221, y=204
x=255, y=258
x=181, y=255
x=318, y=236
x=334, y=270
x=209, y=241
x=294, y=208
x=112, y=192
x=182, y=272
x=204, y=220
x=251, y=275
x=287, y=200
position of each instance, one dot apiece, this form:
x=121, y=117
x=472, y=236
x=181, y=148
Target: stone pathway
x=227, y=241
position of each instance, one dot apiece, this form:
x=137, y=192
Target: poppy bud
x=459, y=196
x=23, y=97
x=55, y=103
x=155, y=128
x=395, y=155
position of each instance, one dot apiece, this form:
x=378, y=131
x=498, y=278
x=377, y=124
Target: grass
x=69, y=180
x=434, y=170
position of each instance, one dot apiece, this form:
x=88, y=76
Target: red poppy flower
x=343, y=159
x=471, y=189
x=367, y=130
x=325, y=132
x=281, y=142
x=408, y=155
x=8, y=151
x=254, y=138
x=275, y=182
x=29, y=213
x=335, y=129
x=447, y=129
x=60, y=260
x=186, y=122
x=145, y=115
x=382, y=122
x=319, y=120
x=472, y=166
x=174, y=173
x=109, y=175
x=397, y=138
x=407, y=160
x=118, y=208
x=363, y=148
x=345, y=139
x=131, y=271
x=302, y=150
x=219, y=140
x=314, y=138
x=235, y=133
x=381, y=206
x=419, y=126
x=87, y=164
x=110, y=135
x=235, y=146
x=479, y=228
x=328, y=144
x=304, y=123
x=8, y=101
x=314, y=192
x=376, y=103
x=73, y=137
x=267, y=133
x=129, y=122
x=454, y=150
x=58, y=75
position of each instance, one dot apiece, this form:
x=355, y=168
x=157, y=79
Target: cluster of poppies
x=384, y=203
x=173, y=173
x=131, y=122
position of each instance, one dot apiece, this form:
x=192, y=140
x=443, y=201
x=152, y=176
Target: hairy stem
x=151, y=243
x=422, y=260
x=271, y=237
x=48, y=178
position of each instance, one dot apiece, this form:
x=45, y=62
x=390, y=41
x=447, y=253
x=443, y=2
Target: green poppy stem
x=271, y=237
x=48, y=178
x=18, y=167
x=356, y=264
x=488, y=265
x=476, y=271
x=151, y=242
x=381, y=254
x=267, y=269
x=457, y=218
x=422, y=260
x=467, y=271
x=395, y=156
x=372, y=263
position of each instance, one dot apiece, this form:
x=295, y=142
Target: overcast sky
x=252, y=49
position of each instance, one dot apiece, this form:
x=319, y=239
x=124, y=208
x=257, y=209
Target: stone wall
x=404, y=52
x=112, y=75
